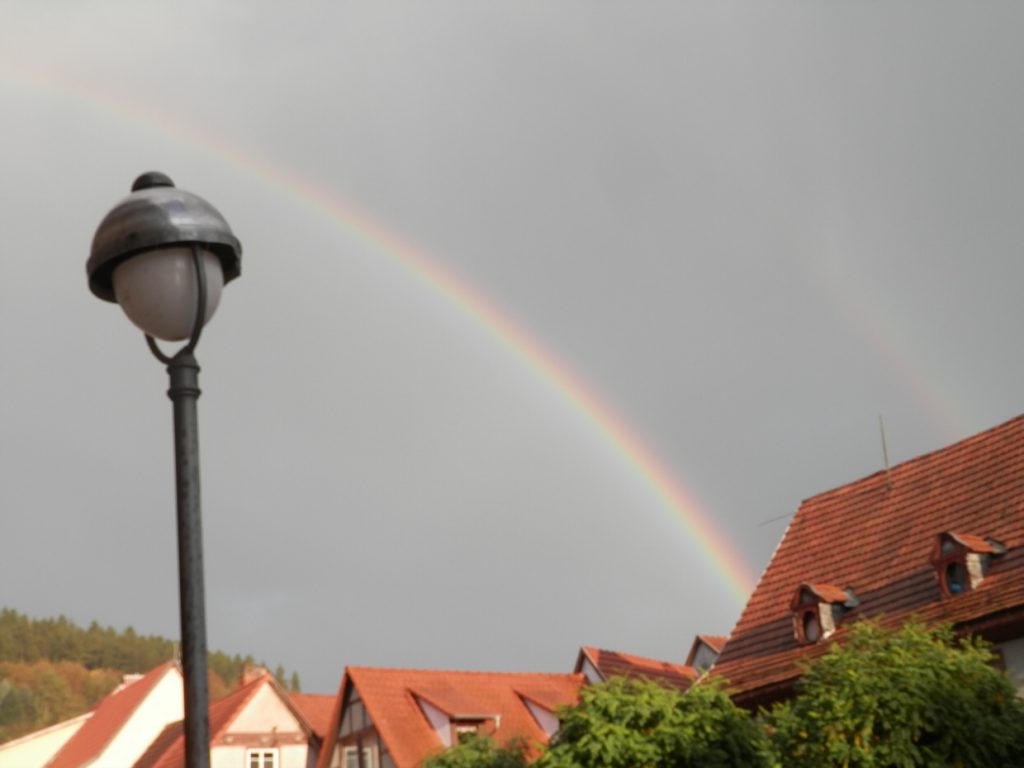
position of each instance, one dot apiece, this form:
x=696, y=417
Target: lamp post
x=164, y=255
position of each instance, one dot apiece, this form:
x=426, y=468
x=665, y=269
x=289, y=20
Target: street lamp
x=164, y=255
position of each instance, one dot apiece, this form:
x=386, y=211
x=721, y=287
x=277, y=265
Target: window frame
x=263, y=752
x=353, y=749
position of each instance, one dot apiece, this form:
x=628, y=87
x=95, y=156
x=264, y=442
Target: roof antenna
x=885, y=454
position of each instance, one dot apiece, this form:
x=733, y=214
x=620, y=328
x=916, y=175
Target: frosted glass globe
x=158, y=290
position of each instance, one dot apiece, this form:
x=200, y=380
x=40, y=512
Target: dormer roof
x=715, y=642
x=824, y=593
x=970, y=542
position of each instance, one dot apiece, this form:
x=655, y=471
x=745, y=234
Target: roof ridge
x=463, y=671
x=913, y=460
x=639, y=656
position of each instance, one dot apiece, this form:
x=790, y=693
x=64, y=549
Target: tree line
x=911, y=696
x=53, y=669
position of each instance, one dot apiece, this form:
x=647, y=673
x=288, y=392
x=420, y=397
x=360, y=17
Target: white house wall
x=704, y=657
x=291, y=756
x=265, y=713
x=591, y=672
x=1013, y=657
x=438, y=721
x=35, y=749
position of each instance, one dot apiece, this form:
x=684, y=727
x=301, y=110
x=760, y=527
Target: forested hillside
x=52, y=669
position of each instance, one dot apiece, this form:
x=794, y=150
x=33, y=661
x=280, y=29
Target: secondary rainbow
x=706, y=537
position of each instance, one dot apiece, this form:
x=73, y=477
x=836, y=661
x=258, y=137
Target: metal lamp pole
x=163, y=254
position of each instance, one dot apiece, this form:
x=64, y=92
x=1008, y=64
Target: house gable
x=265, y=712
x=704, y=651
x=256, y=717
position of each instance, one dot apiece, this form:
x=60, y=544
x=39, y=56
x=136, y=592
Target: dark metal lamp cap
x=156, y=215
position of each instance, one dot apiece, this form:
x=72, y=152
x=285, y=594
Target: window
x=812, y=626
x=962, y=560
x=261, y=758
x=956, y=578
x=352, y=757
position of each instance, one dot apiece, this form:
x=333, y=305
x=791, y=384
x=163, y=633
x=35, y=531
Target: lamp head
x=141, y=256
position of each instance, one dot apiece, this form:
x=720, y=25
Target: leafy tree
x=294, y=685
x=479, y=751
x=907, y=697
x=629, y=723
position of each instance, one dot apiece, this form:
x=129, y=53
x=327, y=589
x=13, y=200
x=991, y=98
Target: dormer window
x=464, y=728
x=818, y=609
x=962, y=560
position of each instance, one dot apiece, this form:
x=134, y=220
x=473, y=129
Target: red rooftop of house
x=505, y=705
x=615, y=664
x=889, y=545
x=316, y=708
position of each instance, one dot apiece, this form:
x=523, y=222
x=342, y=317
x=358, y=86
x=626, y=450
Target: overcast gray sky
x=747, y=227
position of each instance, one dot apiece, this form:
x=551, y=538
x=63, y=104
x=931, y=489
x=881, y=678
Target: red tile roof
x=390, y=695
x=615, y=664
x=316, y=708
x=876, y=536
x=108, y=718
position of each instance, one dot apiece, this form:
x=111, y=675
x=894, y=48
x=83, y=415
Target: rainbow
x=707, y=538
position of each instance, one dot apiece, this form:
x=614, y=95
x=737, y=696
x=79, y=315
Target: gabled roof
x=168, y=750
x=876, y=536
x=390, y=697
x=715, y=642
x=316, y=708
x=828, y=593
x=108, y=718
x=974, y=543
x=615, y=664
